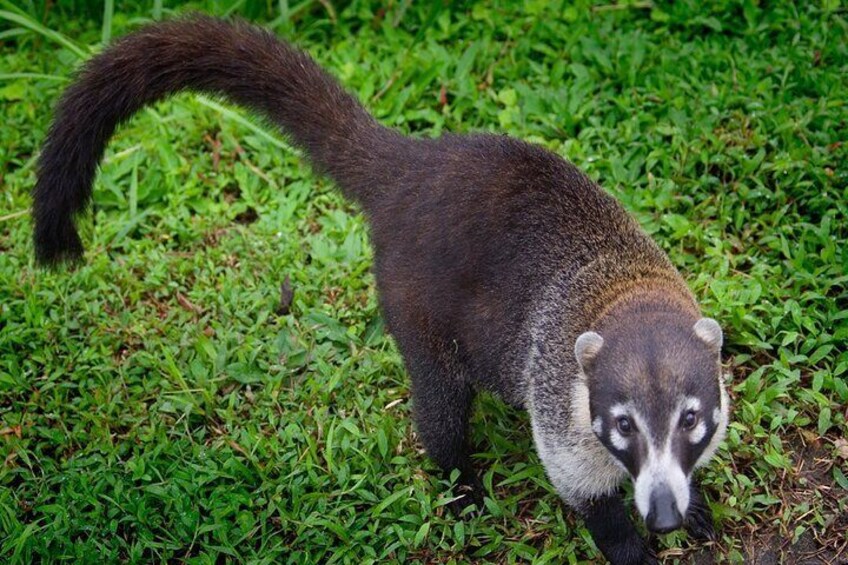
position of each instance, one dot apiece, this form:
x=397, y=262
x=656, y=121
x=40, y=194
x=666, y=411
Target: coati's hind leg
x=441, y=409
x=614, y=533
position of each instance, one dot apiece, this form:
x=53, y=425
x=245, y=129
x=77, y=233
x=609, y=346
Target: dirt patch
x=809, y=483
x=249, y=216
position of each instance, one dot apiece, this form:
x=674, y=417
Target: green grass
x=156, y=406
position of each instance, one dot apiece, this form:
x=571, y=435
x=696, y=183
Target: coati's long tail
x=245, y=64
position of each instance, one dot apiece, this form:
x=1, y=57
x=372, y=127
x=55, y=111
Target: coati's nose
x=663, y=516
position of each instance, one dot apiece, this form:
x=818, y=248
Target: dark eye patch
x=688, y=453
x=630, y=457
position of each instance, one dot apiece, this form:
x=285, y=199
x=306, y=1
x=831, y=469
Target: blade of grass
x=133, y=199
x=115, y=157
x=11, y=33
x=331, y=11
x=52, y=35
x=233, y=7
x=288, y=13
x=284, y=17
x=108, y=12
x=13, y=76
x=15, y=8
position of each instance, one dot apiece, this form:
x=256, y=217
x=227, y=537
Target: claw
x=700, y=527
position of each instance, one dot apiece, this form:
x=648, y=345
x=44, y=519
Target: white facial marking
x=661, y=467
x=619, y=441
x=692, y=403
x=598, y=426
x=716, y=415
x=619, y=410
x=697, y=434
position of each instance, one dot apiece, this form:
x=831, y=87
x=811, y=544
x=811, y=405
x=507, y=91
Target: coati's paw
x=699, y=519
x=470, y=495
x=465, y=507
x=699, y=525
x=650, y=559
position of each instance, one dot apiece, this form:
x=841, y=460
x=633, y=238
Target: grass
x=156, y=404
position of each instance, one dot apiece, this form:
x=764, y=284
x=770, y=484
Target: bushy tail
x=245, y=64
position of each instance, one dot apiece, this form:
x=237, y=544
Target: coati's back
x=470, y=225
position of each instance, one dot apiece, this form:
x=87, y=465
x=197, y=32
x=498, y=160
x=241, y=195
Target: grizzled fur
x=492, y=255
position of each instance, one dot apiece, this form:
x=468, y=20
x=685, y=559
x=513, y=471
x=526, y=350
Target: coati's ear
x=587, y=347
x=709, y=332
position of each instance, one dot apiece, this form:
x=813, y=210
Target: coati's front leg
x=614, y=532
x=441, y=409
x=699, y=517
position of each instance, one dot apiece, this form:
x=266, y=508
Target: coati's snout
x=657, y=404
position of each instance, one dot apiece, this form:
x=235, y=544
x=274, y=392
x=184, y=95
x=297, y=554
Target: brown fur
x=472, y=234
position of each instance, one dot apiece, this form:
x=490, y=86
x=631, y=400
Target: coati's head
x=657, y=403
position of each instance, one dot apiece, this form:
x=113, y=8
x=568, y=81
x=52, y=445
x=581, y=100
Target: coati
x=499, y=266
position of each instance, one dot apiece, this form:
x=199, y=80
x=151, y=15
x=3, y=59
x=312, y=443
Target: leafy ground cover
x=169, y=401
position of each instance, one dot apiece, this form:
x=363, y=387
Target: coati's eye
x=689, y=420
x=624, y=425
